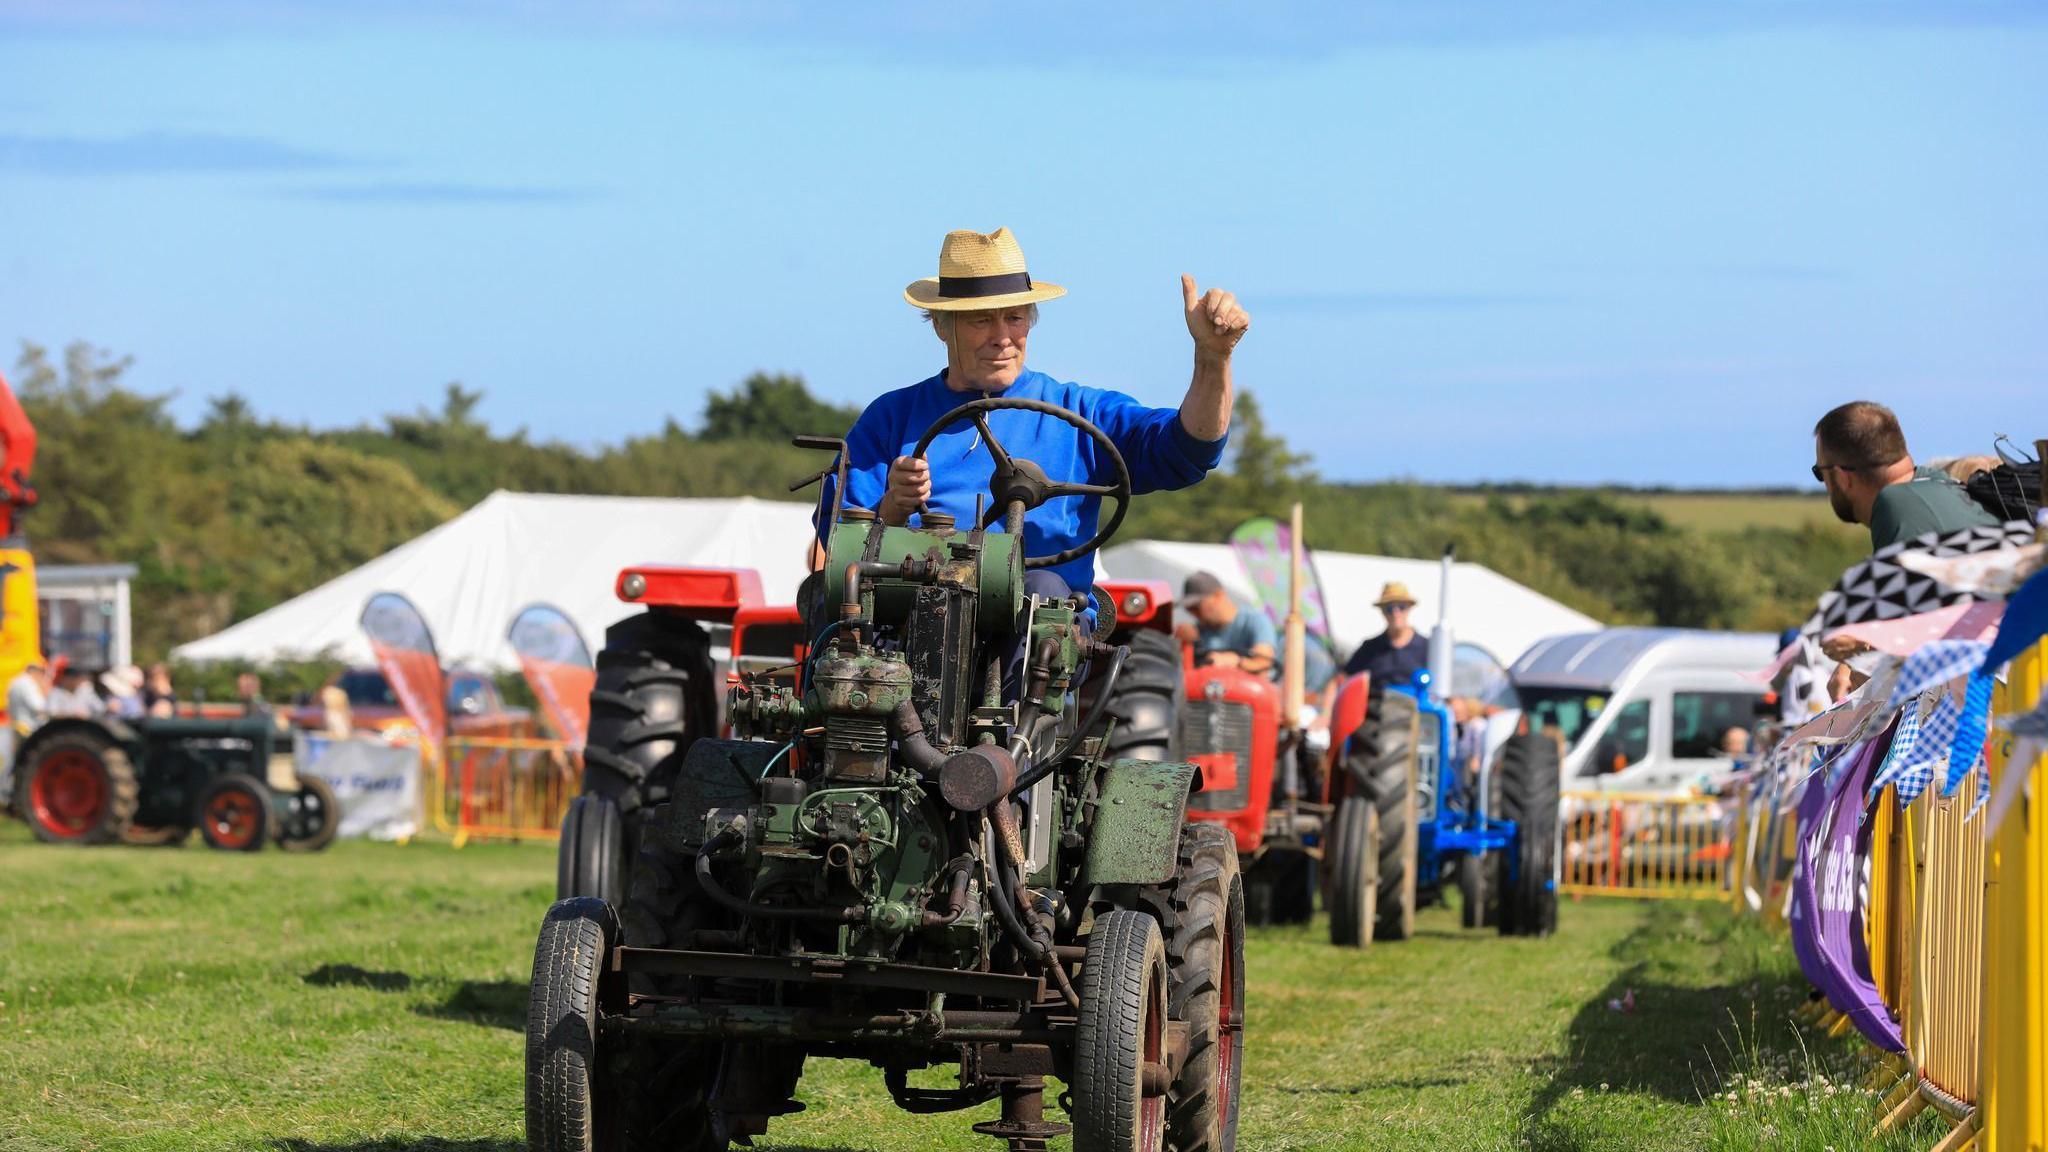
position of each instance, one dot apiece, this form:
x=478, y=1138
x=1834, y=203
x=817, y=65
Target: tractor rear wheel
x=1205, y=988
x=1353, y=891
x=653, y=697
x=570, y=1106
x=1145, y=700
x=311, y=817
x=1119, y=1086
x=587, y=862
x=76, y=787
x=233, y=813
x=1528, y=773
x=1381, y=759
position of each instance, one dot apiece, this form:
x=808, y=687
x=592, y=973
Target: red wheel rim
x=1229, y=1026
x=69, y=793
x=233, y=817
x=1152, y=1109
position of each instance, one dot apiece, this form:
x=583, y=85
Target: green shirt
x=1929, y=502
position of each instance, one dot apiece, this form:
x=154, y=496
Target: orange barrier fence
x=504, y=789
x=1648, y=846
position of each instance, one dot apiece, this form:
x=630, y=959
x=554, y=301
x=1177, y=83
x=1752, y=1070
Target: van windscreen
x=1568, y=710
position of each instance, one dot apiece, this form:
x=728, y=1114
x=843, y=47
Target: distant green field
x=1721, y=511
x=372, y=999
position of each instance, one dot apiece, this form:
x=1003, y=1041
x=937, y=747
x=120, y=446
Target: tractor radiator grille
x=1219, y=727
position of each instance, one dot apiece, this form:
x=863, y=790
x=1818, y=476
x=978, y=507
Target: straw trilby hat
x=980, y=270
x=1394, y=592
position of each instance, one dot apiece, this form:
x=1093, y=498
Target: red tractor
x=1228, y=723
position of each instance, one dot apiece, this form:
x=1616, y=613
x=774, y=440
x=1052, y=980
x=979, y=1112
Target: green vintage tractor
x=153, y=781
x=919, y=856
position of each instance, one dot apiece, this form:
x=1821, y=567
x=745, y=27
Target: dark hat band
x=968, y=287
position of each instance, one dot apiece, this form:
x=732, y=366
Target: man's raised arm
x=1216, y=323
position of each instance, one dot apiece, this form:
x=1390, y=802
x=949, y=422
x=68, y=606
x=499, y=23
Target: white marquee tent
x=472, y=574
x=1487, y=609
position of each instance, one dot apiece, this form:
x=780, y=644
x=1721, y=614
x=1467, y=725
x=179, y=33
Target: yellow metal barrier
x=1646, y=845
x=1947, y=998
x=504, y=789
x=2015, y=958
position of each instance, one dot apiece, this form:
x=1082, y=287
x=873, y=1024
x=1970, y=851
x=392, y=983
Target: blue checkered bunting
x=1937, y=662
x=1937, y=732
x=1966, y=746
x=1899, y=754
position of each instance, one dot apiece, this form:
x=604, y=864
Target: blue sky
x=1578, y=242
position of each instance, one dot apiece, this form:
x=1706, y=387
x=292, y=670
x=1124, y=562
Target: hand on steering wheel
x=1016, y=480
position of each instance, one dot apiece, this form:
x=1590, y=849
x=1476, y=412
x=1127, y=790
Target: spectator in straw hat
x=1397, y=654
x=983, y=306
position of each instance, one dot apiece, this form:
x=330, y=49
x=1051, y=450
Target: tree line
x=238, y=512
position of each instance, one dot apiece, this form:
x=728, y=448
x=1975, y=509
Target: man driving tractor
x=982, y=306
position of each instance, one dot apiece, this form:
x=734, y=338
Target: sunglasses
x=1820, y=472
x=1397, y=606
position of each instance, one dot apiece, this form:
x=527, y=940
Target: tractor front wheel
x=587, y=862
x=1479, y=889
x=1205, y=980
x=76, y=787
x=1382, y=761
x=1528, y=771
x=234, y=813
x=1120, y=1078
x=311, y=817
x=1354, y=855
x=569, y=1107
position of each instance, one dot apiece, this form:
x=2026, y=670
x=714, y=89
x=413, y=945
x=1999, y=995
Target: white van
x=1644, y=709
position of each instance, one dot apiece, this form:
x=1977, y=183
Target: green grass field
x=371, y=999
x=1724, y=511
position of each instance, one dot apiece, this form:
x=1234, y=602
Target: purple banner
x=1831, y=894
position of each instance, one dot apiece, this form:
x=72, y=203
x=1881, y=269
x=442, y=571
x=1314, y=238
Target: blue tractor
x=1409, y=819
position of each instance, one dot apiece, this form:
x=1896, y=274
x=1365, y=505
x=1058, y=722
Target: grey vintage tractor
x=918, y=855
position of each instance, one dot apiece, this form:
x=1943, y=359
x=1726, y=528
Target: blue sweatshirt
x=1160, y=454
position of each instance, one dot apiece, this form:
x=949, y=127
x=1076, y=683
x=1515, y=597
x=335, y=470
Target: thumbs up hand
x=1214, y=318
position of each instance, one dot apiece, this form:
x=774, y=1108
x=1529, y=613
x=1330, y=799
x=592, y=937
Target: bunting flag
x=404, y=647
x=1994, y=573
x=1897, y=756
x=1976, y=620
x=1937, y=734
x=2026, y=622
x=1936, y=664
x=1882, y=588
x=557, y=666
x=1966, y=747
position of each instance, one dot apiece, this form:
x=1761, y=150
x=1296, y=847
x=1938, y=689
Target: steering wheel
x=1017, y=479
